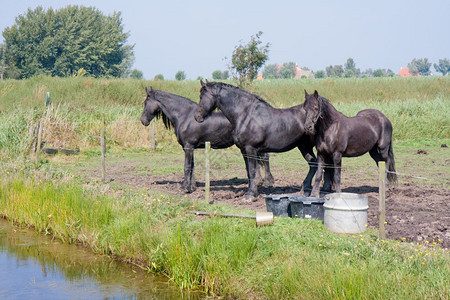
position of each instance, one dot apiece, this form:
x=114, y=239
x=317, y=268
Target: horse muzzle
x=145, y=121
x=198, y=116
x=309, y=129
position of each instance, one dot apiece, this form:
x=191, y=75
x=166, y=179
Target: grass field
x=293, y=259
x=418, y=107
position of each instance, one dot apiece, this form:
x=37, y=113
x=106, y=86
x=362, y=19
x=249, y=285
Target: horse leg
x=337, y=163
x=188, y=168
x=193, y=183
x=244, y=155
x=258, y=177
x=320, y=164
x=252, y=192
x=328, y=178
x=268, y=179
x=309, y=156
x=375, y=154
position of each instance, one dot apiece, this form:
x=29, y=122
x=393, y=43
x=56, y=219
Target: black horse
x=259, y=127
x=340, y=136
x=178, y=112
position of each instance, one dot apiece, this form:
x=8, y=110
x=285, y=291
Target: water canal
x=33, y=266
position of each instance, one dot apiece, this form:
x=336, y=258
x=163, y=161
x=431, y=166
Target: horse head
x=313, y=111
x=151, y=107
x=208, y=101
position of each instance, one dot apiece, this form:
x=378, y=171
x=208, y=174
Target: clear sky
x=195, y=36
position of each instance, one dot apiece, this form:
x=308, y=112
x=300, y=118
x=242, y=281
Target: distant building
x=404, y=72
x=300, y=73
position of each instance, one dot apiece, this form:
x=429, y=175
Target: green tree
x=136, y=74
x=443, y=66
x=320, y=74
x=225, y=75
x=288, y=70
x=61, y=42
x=420, y=66
x=350, y=68
x=378, y=73
x=247, y=59
x=180, y=75
x=334, y=71
x=158, y=77
x=270, y=71
x=217, y=75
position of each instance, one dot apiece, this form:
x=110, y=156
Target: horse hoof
x=315, y=195
x=268, y=183
x=249, y=198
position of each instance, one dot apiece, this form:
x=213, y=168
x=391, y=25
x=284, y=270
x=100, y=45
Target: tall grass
x=292, y=259
x=418, y=107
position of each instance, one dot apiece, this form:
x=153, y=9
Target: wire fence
x=220, y=158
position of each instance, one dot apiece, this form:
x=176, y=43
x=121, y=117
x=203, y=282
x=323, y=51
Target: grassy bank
x=418, y=107
x=293, y=259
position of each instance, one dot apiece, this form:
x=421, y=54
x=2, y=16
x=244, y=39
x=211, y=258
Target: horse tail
x=391, y=175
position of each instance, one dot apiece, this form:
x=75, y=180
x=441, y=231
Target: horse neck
x=232, y=103
x=174, y=108
x=330, y=114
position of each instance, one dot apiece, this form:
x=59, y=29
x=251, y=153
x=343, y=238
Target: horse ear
x=207, y=81
x=147, y=91
x=316, y=94
x=306, y=93
x=202, y=83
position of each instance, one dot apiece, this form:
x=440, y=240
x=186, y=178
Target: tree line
x=248, y=58
x=79, y=41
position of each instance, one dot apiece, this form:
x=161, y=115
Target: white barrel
x=345, y=212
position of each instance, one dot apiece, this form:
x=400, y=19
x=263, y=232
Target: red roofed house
x=300, y=73
x=404, y=72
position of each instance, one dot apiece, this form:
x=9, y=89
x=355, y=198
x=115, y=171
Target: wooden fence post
x=103, y=146
x=39, y=140
x=207, y=182
x=382, y=199
x=152, y=136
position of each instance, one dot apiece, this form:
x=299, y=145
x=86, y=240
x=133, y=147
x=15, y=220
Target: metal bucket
x=277, y=204
x=345, y=212
x=264, y=218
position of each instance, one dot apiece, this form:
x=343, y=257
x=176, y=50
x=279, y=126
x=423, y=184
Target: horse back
x=215, y=129
x=367, y=129
x=376, y=118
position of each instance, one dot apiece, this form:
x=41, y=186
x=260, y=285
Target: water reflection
x=35, y=267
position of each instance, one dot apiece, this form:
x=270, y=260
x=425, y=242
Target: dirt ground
x=414, y=213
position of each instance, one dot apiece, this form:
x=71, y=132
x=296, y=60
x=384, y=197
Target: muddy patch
x=414, y=213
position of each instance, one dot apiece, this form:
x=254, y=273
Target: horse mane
x=328, y=113
x=237, y=89
x=161, y=94
x=160, y=114
x=167, y=122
